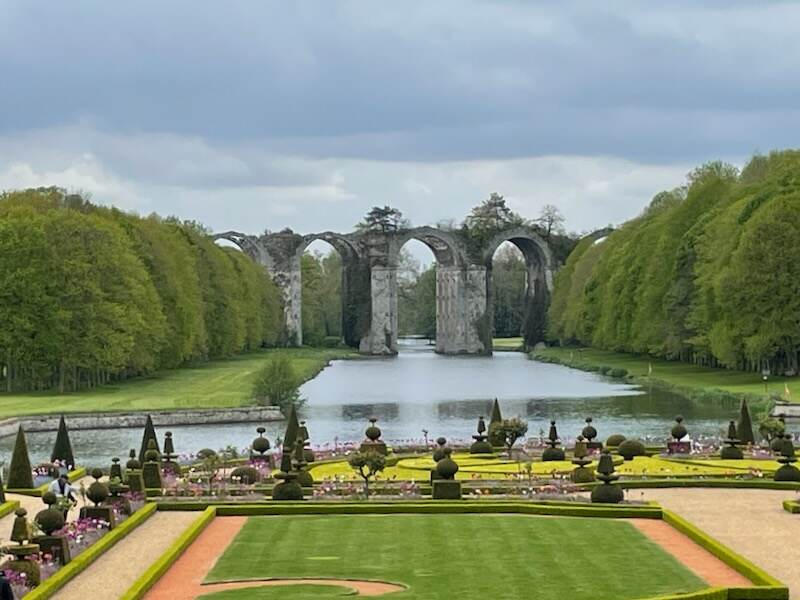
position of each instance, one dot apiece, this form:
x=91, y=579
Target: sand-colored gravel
x=113, y=573
x=751, y=522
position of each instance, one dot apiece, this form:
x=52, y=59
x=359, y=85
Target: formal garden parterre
x=381, y=516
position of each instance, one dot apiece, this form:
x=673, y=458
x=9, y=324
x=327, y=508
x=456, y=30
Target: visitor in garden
x=64, y=493
x=6, y=593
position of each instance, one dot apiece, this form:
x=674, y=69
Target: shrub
x=205, y=453
x=618, y=373
x=62, y=449
x=331, y=341
x=615, y=440
x=605, y=369
x=149, y=434
x=19, y=472
x=245, y=475
x=277, y=384
x=631, y=448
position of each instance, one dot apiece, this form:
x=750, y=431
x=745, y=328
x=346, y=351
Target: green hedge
x=73, y=475
x=792, y=506
x=714, y=593
x=59, y=579
x=745, y=484
x=768, y=588
x=149, y=578
x=7, y=508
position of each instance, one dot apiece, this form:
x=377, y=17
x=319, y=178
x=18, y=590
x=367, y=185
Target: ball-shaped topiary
x=260, y=444
x=133, y=463
x=373, y=432
x=589, y=432
x=607, y=494
x=631, y=448
x=552, y=454
x=98, y=491
x=679, y=430
x=615, y=439
x=447, y=467
x=245, y=475
x=50, y=519
x=288, y=489
x=204, y=453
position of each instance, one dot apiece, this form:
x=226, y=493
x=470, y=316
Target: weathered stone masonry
x=369, y=282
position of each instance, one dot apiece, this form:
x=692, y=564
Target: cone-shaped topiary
x=732, y=450
x=607, y=492
x=745, y=426
x=289, y=439
x=787, y=471
x=20, y=475
x=62, y=449
x=149, y=434
x=614, y=440
x=631, y=448
x=553, y=452
x=151, y=470
x=581, y=473
x=495, y=417
x=304, y=477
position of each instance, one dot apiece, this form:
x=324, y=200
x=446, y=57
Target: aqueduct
x=370, y=288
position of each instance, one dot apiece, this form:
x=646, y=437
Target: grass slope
x=459, y=556
x=217, y=384
x=679, y=373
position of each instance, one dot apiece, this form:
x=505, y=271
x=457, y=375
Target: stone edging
x=108, y=420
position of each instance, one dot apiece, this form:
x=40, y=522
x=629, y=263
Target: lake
x=420, y=390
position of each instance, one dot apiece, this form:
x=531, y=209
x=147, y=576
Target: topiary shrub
x=604, y=370
x=615, y=439
x=287, y=490
x=20, y=474
x=553, y=453
x=30, y=568
x=631, y=448
x=62, y=449
x=607, y=492
x=205, y=453
x=149, y=434
x=245, y=475
x=618, y=373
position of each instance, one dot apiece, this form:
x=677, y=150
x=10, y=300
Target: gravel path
x=121, y=566
x=751, y=522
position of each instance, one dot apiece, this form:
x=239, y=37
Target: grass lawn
x=217, y=384
x=295, y=592
x=679, y=373
x=459, y=556
x=507, y=344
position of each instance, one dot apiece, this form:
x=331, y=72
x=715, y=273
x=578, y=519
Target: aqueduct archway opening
x=369, y=284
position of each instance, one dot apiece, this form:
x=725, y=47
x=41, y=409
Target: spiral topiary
x=615, y=439
x=581, y=473
x=631, y=448
x=245, y=475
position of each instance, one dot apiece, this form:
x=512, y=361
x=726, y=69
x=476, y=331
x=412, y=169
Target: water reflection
x=443, y=395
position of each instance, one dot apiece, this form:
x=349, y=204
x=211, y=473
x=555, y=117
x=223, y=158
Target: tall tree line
x=709, y=273
x=90, y=294
x=321, y=276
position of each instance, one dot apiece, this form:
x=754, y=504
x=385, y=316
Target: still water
x=420, y=390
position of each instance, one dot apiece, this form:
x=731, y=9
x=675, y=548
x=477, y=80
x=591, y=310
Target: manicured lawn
x=459, y=556
x=295, y=592
x=217, y=384
x=680, y=374
x=514, y=343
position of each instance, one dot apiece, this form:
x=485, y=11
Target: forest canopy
x=708, y=273
x=90, y=294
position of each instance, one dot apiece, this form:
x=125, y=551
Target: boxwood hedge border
x=765, y=586
x=791, y=506
x=52, y=585
x=36, y=492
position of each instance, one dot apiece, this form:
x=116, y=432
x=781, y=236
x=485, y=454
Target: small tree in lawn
x=367, y=465
x=277, y=384
x=509, y=430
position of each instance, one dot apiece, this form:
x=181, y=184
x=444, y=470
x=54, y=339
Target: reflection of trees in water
x=658, y=404
x=382, y=412
x=463, y=409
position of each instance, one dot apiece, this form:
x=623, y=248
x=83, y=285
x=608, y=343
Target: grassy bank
x=513, y=344
x=675, y=374
x=217, y=384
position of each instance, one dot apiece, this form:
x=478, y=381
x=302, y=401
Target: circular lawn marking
x=362, y=587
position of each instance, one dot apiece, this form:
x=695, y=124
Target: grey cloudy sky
x=265, y=114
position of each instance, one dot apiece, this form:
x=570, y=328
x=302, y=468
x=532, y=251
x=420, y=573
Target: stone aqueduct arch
x=369, y=282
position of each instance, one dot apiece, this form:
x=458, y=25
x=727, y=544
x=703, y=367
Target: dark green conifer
x=745, y=426
x=20, y=474
x=62, y=450
x=149, y=434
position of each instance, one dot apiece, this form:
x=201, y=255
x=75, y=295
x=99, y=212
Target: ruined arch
x=446, y=249
x=249, y=244
x=539, y=278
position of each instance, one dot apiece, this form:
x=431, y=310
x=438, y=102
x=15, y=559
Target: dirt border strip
x=690, y=554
